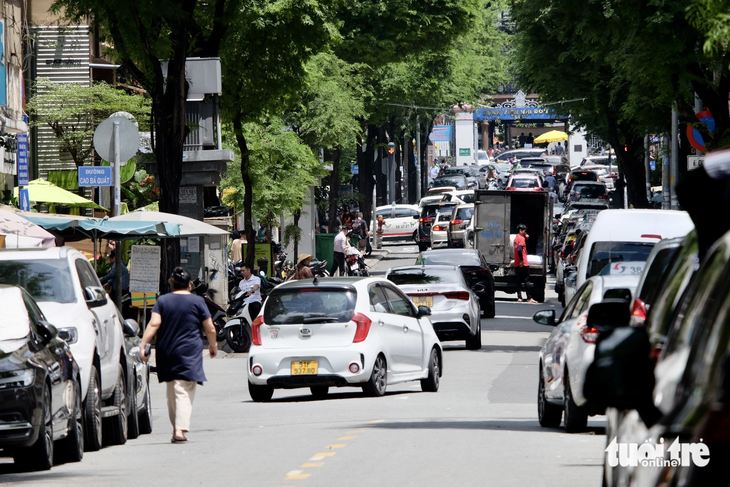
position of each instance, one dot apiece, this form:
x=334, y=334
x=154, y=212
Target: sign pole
x=418, y=158
x=117, y=161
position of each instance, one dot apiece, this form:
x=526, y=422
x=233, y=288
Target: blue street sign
x=652, y=165
x=95, y=176
x=24, y=199
x=355, y=169
x=22, y=143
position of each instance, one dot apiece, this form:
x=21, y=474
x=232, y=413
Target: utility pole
x=674, y=170
x=418, y=158
x=391, y=173
x=665, y=174
x=647, y=167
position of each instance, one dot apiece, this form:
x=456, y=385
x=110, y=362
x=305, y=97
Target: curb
x=381, y=254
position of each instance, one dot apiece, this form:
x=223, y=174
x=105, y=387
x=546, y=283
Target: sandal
x=178, y=440
x=520, y=300
x=532, y=301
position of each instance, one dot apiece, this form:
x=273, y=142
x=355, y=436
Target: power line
x=417, y=107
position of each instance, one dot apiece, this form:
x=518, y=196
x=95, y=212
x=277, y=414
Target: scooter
x=319, y=268
x=238, y=328
x=217, y=313
x=355, y=263
x=492, y=184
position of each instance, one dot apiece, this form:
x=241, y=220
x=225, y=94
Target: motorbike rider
x=251, y=285
x=491, y=174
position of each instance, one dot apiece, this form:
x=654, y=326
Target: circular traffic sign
x=128, y=139
x=695, y=137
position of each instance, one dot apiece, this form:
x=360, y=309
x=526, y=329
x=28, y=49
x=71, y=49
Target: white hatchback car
x=569, y=350
x=341, y=332
x=401, y=222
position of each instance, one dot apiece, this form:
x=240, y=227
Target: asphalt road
x=480, y=428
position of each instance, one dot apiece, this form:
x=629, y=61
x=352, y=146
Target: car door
x=391, y=334
x=575, y=319
x=412, y=334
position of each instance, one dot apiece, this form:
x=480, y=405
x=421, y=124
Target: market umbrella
x=552, y=136
x=20, y=233
x=42, y=191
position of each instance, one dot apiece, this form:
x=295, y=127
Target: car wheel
x=576, y=417
x=40, y=455
x=145, y=415
x=220, y=332
x=548, y=414
x=133, y=417
x=378, y=382
x=238, y=338
x=92, y=413
x=72, y=447
x=260, y=393
x=115, y=428
x=475, y=342
x=319, y=391
x=431, y=383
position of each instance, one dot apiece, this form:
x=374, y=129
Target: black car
x=427, y=219
x=474, y=267
x=40, y=391
x=458, y=181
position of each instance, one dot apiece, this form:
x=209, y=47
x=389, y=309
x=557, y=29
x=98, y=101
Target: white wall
x=577, y=140
x=464, y=128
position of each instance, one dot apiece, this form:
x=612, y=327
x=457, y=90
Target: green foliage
x=292, y=234
x=712, y=17
x=73, y=111
x=9, y=198
x=140, y=190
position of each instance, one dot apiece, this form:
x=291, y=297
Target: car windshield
x=503, y=167
x=656, y=273
x=466, y=198
x=590, y=190
x=423, y=275
x=525, y=183
x=432, y=210
x=457, y=181
x=464, y=213
x=583, y=176
x=603, y=253
x=15, y=323
x=45, y=280
x=451, y=258
x=456, y=170
x=309, y=305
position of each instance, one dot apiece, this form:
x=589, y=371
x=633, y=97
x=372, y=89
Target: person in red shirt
x=522, y=267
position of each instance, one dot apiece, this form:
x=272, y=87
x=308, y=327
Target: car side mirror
x=95, y=296
x=545, y=317
x=423, y=311
x=46, y=331
x=609, y=313
x=130, y=328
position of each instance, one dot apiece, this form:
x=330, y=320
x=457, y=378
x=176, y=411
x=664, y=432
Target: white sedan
x=341, y=332
x=569, y=350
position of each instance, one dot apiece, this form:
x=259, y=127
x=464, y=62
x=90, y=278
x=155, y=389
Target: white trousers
x=180, y=396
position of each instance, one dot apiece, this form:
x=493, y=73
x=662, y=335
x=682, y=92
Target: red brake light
x=511, y=188
x=438, y=228
x=425, y=220
x=650, y=235
x=638, y=313
x=588, y=334
x=256, y=330
x=363, y=327
x=464, y=295
x=456, y=222
x=537, y=189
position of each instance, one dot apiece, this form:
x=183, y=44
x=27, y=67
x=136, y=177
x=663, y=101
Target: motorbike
x=492, y=184
x=237, y=330
x=319, y=268
x=355, y=263
x=217, y=313
x=279, y=265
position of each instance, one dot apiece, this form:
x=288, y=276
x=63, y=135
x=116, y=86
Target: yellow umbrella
x=552, y=136
x=42, y=191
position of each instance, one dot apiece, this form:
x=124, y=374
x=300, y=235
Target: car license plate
x=304, y=367
x=423, y=301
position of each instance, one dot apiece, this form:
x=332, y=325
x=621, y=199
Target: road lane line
x=346, y=438
x=312, y=465
x=513, y=317
x=300, y=476
x=378, y=421
x=294, y=472
x=332, y=447
x=322, y=455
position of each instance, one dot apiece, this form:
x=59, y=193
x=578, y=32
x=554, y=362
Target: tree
x=146, y=36
x=72, y=111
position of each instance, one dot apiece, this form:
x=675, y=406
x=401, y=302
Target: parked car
x=524, y=182
x=64, y=285
x=473, y=266
x=401, y=222
x=440, y=228
x=138, y=377
x=461, y=217
x=40, y=387
x=429, y=214
x=443, y=289
x=341, y=332
x=588, y=193
x=568, y=351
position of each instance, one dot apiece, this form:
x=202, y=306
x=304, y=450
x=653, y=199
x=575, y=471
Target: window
x=464, y=213
x=86, y=274
x=525, y=183
x=571, y=304
x=386, y=213
x=423, y=276
x=401, y=306
x=310, y=305
x=585, y=298
x=45, y=280
x=378, y=303
x=603, y=253
x=16, y=323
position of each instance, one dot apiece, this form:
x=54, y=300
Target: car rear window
x=45, y=280
x=16, y=323
x=603, y=253
x=525, y=183
x=309, y=305
x=452, y=258
x=464, y=213
x=466, y=198
x=457, y=181
x=423, y=275
x=584, y=176
x=432, y=210
x=590, y=190
x=619, y=293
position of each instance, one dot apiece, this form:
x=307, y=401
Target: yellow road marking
x=347, y=438
x=300, y=476
x=326, y=454
x=310, y=465
x=378, y=421
x=332, y=447
x=355, y=432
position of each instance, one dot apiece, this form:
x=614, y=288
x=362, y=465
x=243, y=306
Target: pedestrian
x=177, y=320
x=251, y=285
x=522, y=267
x=490, y=152
x=339, y=256
x=110, y=278
x=237, y=246
x=559, y=149
x=303, y=271
x=379, y=232
x=433, y=173
x=360, y=228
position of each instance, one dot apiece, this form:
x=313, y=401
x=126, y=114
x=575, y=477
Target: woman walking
x=177, y=320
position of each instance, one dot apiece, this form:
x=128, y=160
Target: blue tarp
x=105, y=228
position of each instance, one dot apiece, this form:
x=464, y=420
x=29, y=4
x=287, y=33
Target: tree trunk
x=297, y=214
x=250, y=256
x=367, y=172
x=334, y=191
x=630, y=162
x=381, y=194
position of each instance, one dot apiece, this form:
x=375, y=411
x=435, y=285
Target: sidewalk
x=376, y=256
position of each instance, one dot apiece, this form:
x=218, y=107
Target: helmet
x=288, y=263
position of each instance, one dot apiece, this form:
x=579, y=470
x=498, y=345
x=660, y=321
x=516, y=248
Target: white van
x=627, y=235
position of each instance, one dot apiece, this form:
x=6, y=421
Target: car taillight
x=511, y=188
x=457, y=222
x=425, y=220
x=363, y=327
x=604, y=197
x=438, y=228
x=638, y=313
x=256, y=330
x=464, y=295
x=537, y=189
x=588, y=334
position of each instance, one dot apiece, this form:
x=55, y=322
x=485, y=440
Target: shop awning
x=188, y=226
x=96, y=228
x=21, y=233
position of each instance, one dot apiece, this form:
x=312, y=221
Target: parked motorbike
x=319, y=268
x=237, y=330
x=355, y=263
x=217, y=313
x=279, y=265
